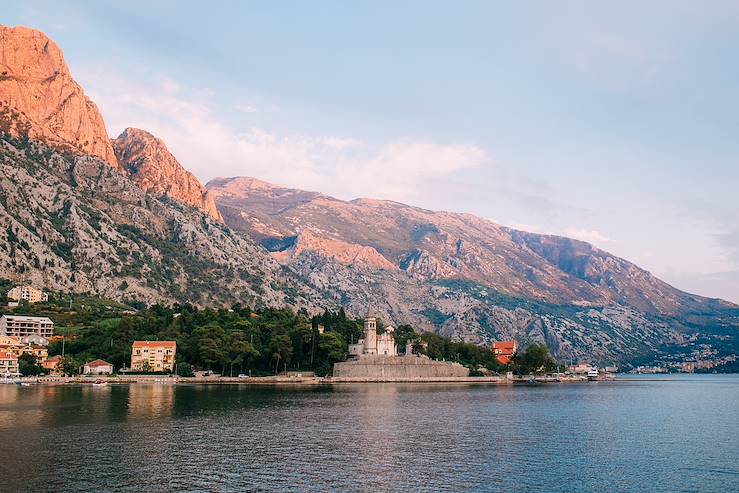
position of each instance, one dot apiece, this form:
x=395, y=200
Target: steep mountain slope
x=441, y=245
x=35, y=81
x=71, y=222
x=463, y=276
x=47, y=105
x=153, y=168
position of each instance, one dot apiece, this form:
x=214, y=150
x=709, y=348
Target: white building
x=97, y=367
x=21, y=326
x=35, y=340
x=374, y=343
x=27, y=293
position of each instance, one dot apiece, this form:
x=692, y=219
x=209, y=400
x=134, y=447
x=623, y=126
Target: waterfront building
x=375, y=358
x=504, y=351
x=153, y=355
x=8, y=363
x=581, y=368
x=27, y=293
x=20, y=346
x=374, y=343
x=52, y=364
x=97, y=367
x=21, y=326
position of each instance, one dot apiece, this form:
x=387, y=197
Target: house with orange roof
x=8, y=363
x=504, y=351
x=153, y=356
x=52, y=364
x=97, y=367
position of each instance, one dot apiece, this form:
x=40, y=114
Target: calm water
x=671, y=435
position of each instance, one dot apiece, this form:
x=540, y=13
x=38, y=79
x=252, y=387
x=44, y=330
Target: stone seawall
x=406, y=368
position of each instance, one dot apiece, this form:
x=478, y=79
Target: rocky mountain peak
x=153, y=168
x=35, y=82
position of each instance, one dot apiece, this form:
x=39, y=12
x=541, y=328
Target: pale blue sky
x=617, y=124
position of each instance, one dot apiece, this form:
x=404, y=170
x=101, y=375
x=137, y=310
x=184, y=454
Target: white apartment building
x=22, y=326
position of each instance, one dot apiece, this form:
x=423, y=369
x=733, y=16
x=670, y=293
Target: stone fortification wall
x=398, y=367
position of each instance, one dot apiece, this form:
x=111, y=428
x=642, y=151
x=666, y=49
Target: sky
x=615, y=123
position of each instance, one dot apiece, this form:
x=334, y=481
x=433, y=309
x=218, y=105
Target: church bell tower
x=370, y=334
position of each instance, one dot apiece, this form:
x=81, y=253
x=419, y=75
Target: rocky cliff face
x=35, y=81
x=152, y=167
x=432, y=245
x=48, y=105
x=72, y=223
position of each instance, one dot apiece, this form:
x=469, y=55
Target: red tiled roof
x=503, y=351
x=169, y=344
x=505, y=346
x=98, y=362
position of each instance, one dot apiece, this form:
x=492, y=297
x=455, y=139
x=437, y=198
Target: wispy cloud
x=589, y=235
x=206, y=144
x=246, y=108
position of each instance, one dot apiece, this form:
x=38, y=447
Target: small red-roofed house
x=97, y=367
x=504, y=351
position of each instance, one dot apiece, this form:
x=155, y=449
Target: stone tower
x=370, y=333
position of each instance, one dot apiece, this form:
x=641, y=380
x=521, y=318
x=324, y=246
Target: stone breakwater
x=393, y=368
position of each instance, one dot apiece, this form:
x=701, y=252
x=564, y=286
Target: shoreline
x=309, y=381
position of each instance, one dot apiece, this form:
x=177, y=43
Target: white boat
x=593, y=374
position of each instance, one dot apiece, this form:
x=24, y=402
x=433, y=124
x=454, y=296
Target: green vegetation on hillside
x=226, y=341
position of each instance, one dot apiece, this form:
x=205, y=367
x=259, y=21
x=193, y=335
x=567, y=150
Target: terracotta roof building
x=97, y=367
x=52, y=363
x=504, y=351
x=153, y=356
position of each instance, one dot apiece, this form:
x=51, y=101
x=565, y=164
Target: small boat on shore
x=99, y=383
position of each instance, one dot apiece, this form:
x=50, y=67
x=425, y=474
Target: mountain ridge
x=36, y=84
x=437, y=241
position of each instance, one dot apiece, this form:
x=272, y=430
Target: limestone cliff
x=341, y=251
x=152, y=167
x=71, y=223
x=35, y=81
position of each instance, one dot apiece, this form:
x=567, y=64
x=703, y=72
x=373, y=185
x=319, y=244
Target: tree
x=418, y=346
x=184, y=369
x=69, y=365
x=281, y=349
x=536, y=359
x=210, y=343
x=402, y=334
x=28, y=366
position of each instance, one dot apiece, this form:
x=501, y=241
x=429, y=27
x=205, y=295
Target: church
x=374, y=343
x=375, y=358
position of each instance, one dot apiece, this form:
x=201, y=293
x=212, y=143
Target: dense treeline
x=239, y=340
x=227, y=341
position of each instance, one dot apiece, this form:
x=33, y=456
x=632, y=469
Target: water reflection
x=634, y=436
x=150, y=401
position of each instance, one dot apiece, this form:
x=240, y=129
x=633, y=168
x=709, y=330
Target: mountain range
x=123, y=218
